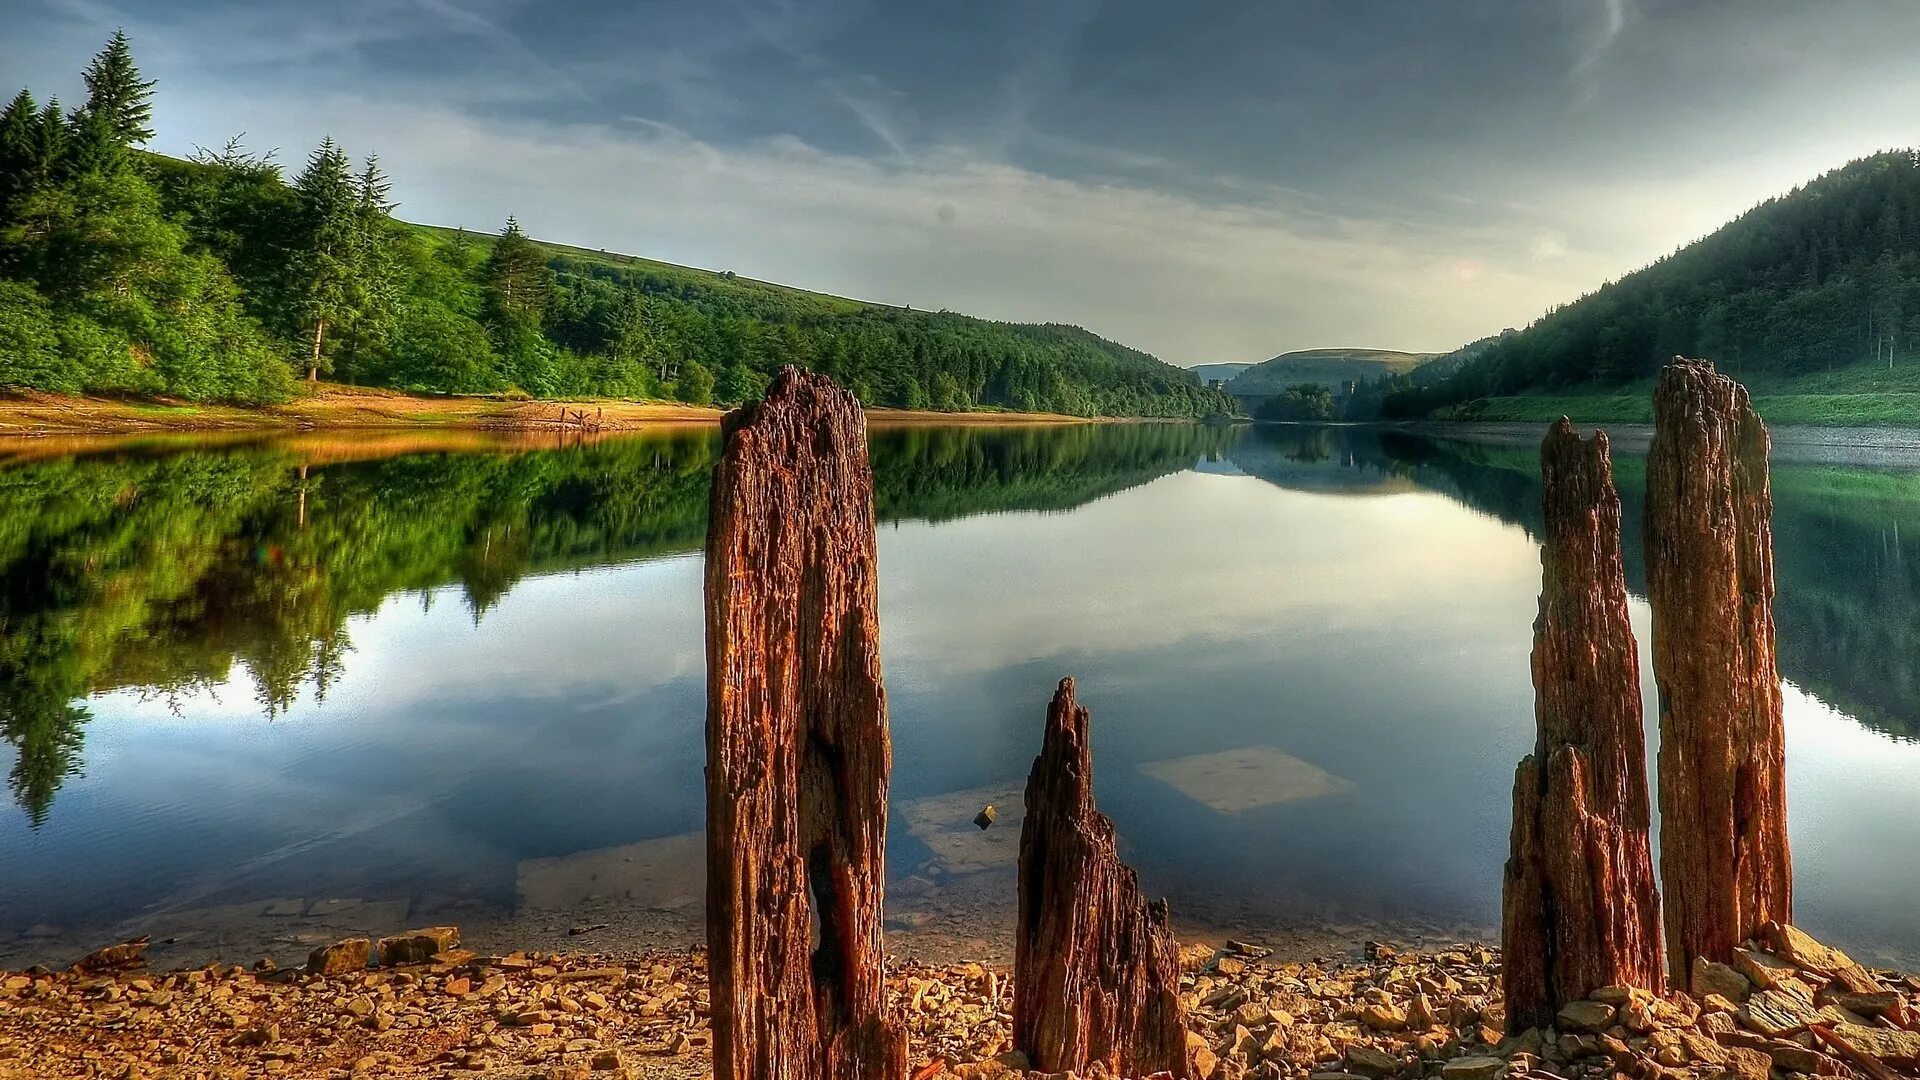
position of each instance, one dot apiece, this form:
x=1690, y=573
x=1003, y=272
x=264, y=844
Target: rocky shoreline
x=1790, y=1009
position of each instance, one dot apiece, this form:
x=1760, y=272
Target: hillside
x=1223, y=372
x=1327, y=367
x=1820, y=284
x=221, y=279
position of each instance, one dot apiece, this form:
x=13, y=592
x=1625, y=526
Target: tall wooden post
x=1096, y=977
x=797, y=746
x=1724, y=862
x=1579, y=907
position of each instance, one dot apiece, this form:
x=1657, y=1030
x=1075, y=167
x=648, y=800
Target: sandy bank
x=331, y=407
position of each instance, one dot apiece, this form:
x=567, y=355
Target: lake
x=262, y=693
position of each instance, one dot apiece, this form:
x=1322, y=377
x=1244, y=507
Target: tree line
x=221, y=278
x=1821, y=278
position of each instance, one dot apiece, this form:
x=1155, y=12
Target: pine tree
x=377, y=274
x=519, y=285
x=325, y=261
x=19, y=137
x=118, y=95
x=374, y=189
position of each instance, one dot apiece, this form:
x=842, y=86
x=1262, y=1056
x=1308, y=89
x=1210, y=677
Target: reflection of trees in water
x=1845, y=554
x=161, y=572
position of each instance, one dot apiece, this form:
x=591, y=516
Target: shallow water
x=296, y=680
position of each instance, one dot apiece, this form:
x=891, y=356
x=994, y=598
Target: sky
x=1212, y=181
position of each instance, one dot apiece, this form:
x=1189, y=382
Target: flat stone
x=1235, y=781
x=1749, y=1064
x=1778, y=1014
x=284, y=909
x=1382, y=1017
x=1473, y=1068
x=666, y=874
x=945, y=824
x=1878, y=1003
x=1792, y=1057
x=340, y=958
x=1367, y=1061
x=1711, y=977
x=127, y=954
x=1702, y=1048
x=1764, y=970
x=1889, y=1045
x=1799, y=947
x=417, y=946
x=1593, y=1016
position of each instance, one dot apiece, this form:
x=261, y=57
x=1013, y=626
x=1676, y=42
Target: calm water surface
x=291, y=679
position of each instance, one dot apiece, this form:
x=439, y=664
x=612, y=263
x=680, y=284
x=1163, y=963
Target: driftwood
x=1724, y=863
x=1096, y=970
x=797, y=746
x=1579, y=907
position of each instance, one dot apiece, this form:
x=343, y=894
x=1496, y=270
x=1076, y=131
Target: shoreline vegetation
x=331, y=407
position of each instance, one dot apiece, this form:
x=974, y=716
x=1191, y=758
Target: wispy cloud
x=1611, y=19
x=1273, y=176
x=1193, y=281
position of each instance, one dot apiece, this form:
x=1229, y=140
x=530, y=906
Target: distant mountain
x=1327, y=367
x=1822, y=279
x=1223, y=372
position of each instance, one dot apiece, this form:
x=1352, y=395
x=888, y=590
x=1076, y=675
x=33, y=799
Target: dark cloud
x=1213, y=180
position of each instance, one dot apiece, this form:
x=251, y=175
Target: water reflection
x=163, y=571
x=266, y=676
x=1848, y=610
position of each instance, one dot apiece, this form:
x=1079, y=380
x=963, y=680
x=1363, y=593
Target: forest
x=1823, y=278
x=222, y=279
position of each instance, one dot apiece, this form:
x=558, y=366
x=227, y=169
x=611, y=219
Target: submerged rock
x=127, y=954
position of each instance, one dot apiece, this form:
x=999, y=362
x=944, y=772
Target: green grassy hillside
x=224, y=279
x=1812, y=296
x=1865, y=394
x=1327, y=367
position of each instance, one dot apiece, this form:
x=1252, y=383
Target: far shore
x=34, y=414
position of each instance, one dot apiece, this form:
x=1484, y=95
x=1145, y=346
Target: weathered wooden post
x=1579, y=908
x=1724, y=863
x=1096, y=977
x=797, y=746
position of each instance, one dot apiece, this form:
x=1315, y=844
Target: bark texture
x=1579, y=907
x=1724, y=863
x=797, y=746
x=1096, y=969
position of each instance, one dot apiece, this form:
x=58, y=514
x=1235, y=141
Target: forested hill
x=1815, y=280
x=222, y=279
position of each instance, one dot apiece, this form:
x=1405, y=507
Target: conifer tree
x=326, y=277
x=374, y=190
x=117, y=95
x=19, y=141
x=519, y=285
x=377, y=273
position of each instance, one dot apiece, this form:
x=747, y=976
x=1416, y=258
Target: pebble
x=1394, y=1015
